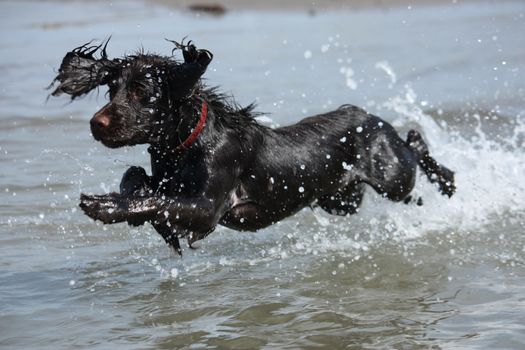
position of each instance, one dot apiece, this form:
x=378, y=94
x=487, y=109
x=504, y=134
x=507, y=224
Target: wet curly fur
x=237, y=173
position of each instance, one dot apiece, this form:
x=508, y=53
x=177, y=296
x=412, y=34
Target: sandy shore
x=222, y=6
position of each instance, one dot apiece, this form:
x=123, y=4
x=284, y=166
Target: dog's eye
x=135, y=95
x=137, y=92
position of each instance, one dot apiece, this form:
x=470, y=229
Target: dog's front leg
x=193, y=217
x=172, y=226
x=113, y=207
x=188, y=218
x=197, y=215
x=169, y=233
x=136, y=182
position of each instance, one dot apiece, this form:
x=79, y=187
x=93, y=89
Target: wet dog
x=212, y=163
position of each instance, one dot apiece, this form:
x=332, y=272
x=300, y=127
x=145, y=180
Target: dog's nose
x=99, y=121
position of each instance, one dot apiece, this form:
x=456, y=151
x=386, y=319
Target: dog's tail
x=434, y=171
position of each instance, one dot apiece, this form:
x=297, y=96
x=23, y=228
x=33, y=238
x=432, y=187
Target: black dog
x=212, y=163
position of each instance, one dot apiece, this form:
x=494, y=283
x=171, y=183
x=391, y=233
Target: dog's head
x=143, y=89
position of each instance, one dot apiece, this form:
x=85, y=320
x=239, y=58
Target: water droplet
x=359, y=129
x=346, y=166
x=301, y=189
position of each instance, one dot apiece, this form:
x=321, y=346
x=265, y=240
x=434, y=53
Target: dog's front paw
x=107, y=208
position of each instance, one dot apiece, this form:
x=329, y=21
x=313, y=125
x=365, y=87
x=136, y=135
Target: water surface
x=449, y=274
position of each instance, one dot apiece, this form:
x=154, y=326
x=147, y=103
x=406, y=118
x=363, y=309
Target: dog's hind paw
x=445, y=181
x=410, y=200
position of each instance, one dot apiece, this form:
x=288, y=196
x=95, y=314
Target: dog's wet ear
x=193, y=55
x=184, y=76
x=80, y=71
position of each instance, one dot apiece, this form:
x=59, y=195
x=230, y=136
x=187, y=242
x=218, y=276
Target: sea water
x=448, y=274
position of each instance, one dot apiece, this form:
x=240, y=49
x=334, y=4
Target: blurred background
x=449, y=274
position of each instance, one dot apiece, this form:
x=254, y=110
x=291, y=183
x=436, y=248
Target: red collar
x=197, y=130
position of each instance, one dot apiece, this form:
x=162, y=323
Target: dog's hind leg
x=388, y=165
x=345, y=201
x=434, y=171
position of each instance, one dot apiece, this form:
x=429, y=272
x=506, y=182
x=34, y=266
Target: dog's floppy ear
x=80, y=72
x=184, y=76
x=192, y=55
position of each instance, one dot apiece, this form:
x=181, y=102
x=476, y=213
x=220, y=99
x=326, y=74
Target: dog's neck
x=184, y=115
x=170, y=152
x=178, y=132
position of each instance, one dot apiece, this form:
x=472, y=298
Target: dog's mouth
x=116, y=130
x=108, y=139
x=113, y=143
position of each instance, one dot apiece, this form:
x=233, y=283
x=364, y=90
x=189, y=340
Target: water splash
x=349, y=74
x=385, y=66
x=83, y=166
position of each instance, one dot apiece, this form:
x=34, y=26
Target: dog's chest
x=177, y=175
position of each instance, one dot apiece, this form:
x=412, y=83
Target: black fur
x=238, y=173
